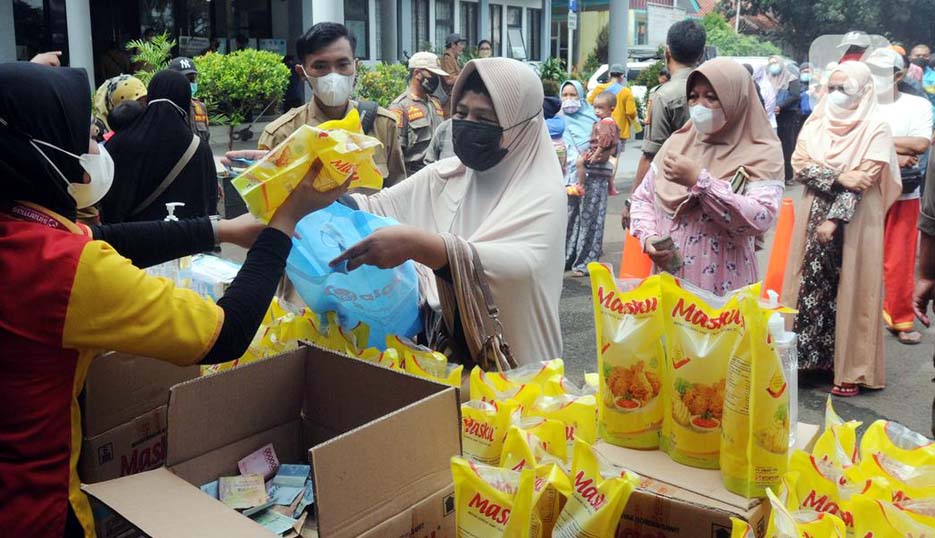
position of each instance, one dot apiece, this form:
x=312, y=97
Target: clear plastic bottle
x=785, y=342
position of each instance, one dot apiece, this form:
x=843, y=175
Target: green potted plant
x=240, y=86
x=153, y=55
x=382, y=83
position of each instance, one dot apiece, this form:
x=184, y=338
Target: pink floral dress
x=716, y=230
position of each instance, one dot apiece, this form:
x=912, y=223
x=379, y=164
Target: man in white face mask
x=910, y=120
x=326, y=56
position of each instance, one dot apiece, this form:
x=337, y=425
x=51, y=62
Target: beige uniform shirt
x=417, y=120
x=668, y=111
x=388, y=158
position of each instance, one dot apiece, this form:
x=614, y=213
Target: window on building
x=39, y=26
x=534, y=24
x=514, y=30
x=444, y=21
x=158, y=16
x=357, y=22
x=469, y=23
x=420, y=26
x=642, y=35
x=496, y=29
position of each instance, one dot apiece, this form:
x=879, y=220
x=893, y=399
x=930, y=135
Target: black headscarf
x=52, y=104
x=149, y=148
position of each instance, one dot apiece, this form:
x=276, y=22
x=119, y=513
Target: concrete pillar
x=389, y=47
x=546, y=40
x=405, y=28
x=619, y=27
x=80, y=51
x=483, y=8
x=7, y=32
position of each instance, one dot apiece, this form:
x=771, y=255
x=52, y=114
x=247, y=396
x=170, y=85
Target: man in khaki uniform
x=197, y=112
x=454, y=46
x=668, y=106
x=418, y=112
x=326, y=53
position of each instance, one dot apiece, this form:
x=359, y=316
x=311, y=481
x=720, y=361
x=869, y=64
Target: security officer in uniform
x=198, y=112
x=418, y=112
x=668, y=106
x=326, y=56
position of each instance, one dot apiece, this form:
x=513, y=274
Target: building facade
x=91, y=33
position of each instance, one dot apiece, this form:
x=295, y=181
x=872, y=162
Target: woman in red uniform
x=67, y=292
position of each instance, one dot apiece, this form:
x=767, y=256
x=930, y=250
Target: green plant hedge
x=382, y=83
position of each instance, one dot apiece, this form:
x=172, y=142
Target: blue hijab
x=578, y=125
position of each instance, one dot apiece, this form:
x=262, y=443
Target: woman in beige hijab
x=715, y=185
x=503, y=195
x=846, y=160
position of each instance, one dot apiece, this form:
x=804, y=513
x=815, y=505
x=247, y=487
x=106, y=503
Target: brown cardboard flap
x=212, y=412
x=139, y=445
x=163, y=505
x=380, y=484
x=333, y=381
x=120, y=387
x=286, y=439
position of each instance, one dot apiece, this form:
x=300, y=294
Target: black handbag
x=912, y=178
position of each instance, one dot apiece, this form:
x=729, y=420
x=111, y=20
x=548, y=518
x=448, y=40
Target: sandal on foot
x=845, y=390
x=578, y=274
x=909, y=338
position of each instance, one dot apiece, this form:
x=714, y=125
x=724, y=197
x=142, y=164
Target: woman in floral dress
x=715, y=185
x=846, y=159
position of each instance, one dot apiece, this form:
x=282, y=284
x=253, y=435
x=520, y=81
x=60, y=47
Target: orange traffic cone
x=634, y=263
x=782, y=241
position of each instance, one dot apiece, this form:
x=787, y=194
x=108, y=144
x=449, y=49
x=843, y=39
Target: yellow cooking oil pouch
x=339, y=145
x=592, y=382
x=577, y=413
x=492, y=388
x=551, y=491
x=491, y=502
x=874, y=518
x=906, y=482
x=784, y=523
x=817, y=487
x=755, y=423
x=702, y=333
x=741, y=529
x=600, y=493
x=631, y=359
x=425, y=363
x=483, y=429
x=921, y=510
x=531, y=441
x=897, y=442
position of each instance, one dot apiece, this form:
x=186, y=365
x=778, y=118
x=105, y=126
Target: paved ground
x=907, y=398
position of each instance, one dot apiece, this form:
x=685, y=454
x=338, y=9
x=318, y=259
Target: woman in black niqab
x=53, y=105
x=145, y=152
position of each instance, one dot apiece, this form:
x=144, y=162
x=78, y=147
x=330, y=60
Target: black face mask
x=430, y=83
x=921, y=62
x=477, y=144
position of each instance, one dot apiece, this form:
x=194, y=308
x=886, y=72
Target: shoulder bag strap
x=500, y=347
x=174, y=173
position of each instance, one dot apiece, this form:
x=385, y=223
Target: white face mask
x=571, y=106
x=175, y=106
x=100, y=168
x=333, y=89
x=841, y=100
x=707, y=120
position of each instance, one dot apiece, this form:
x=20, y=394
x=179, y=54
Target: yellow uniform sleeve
x=117, y=306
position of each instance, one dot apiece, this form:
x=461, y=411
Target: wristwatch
x=215, y=220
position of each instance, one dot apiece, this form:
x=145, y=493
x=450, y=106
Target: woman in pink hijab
x=846, y=159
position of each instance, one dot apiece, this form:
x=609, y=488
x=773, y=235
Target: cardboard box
x=121, y=387
x=379, y=443
x=675, y=501
x=136, y=446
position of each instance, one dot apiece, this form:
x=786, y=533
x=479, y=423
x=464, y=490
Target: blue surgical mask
x=805, y=77
x=194, y=86
x=775, y=69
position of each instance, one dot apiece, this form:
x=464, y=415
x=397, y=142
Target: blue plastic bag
x=387, y=300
